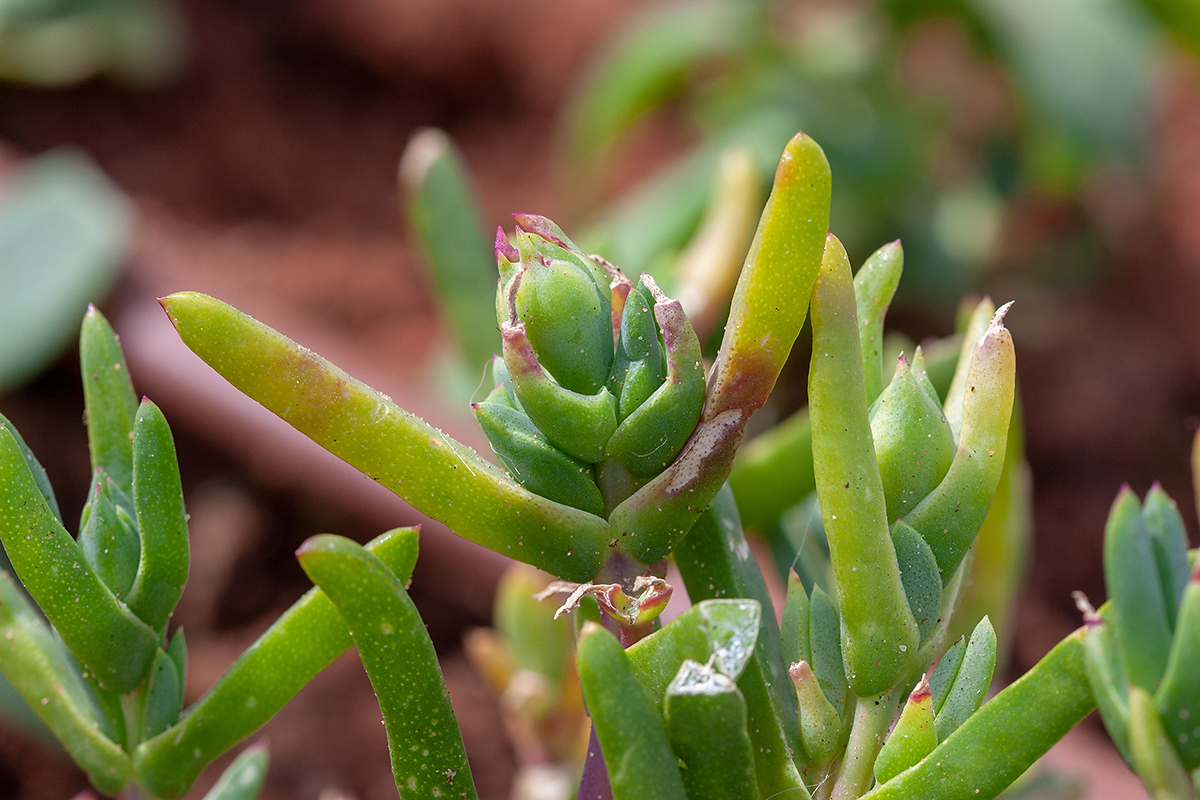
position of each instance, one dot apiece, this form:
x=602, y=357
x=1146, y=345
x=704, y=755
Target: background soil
x=265, y=175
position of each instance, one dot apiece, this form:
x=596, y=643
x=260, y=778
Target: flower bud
x=565, y=305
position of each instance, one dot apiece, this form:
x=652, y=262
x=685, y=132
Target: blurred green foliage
x=65, y=230
x=56, y=43
x=933, y=114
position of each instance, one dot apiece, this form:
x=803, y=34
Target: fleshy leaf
x=439, y=476
x=423, y=737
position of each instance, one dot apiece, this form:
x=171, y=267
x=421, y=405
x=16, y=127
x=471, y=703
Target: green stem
x=823, y=787
x=872, y=718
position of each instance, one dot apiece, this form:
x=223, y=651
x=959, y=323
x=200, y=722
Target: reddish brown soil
x=266, y=175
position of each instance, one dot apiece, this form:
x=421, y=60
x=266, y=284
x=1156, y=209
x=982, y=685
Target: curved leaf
x=301, y=643
x=428, y=757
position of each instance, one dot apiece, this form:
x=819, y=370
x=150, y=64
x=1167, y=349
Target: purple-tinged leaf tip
x=544, y=227
x=504, y=248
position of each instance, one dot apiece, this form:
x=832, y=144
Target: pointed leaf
x=108, y=398
x=301, y=643
x=874, y=286
x=104, y=635
x=783, y=260
x=1135, y=592
x=421, y=464
x=966, y=694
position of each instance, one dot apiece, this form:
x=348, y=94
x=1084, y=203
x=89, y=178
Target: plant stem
x=594, y=784
x=872, y=718
x=823, y=788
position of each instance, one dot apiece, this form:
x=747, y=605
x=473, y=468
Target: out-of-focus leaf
x=244, y=777
x=1181, y=18
x=442, y=210
x=64, y=230
x=648, y=63
x=55, y=43
x=1084, y=66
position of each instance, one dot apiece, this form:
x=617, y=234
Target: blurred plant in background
x=57, y=43
x=65, y=231
x=528, y=662
x=936, y=116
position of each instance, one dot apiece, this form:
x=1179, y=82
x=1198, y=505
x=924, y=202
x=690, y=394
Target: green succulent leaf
x=443, y=212
x=1178, y=697
x=706, y=723
x=1154, y=756
x=109, y=401
x=768, y=310
x=879, y=634
x=1106, y=676
x=874, y=286
x=162, y=521
x=912, y=738
x=1138, y=611
x=641, y=764
x=651, y=435
x=820, y=725
x=39, y=668
x=793, y=627
x=35, y=468
x=950, y=517
x=534, y=462
x=920, y=576
x=416, y=461
x=423, y=737
x=101, y=631
x=975, y=327
x=998, y=743
x=162, y=697
x=578, y=424
x=963, y=697
x=301, y=643
x=913, y=442
x=108, y=537
x=826, y=647
x=1168, y=539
